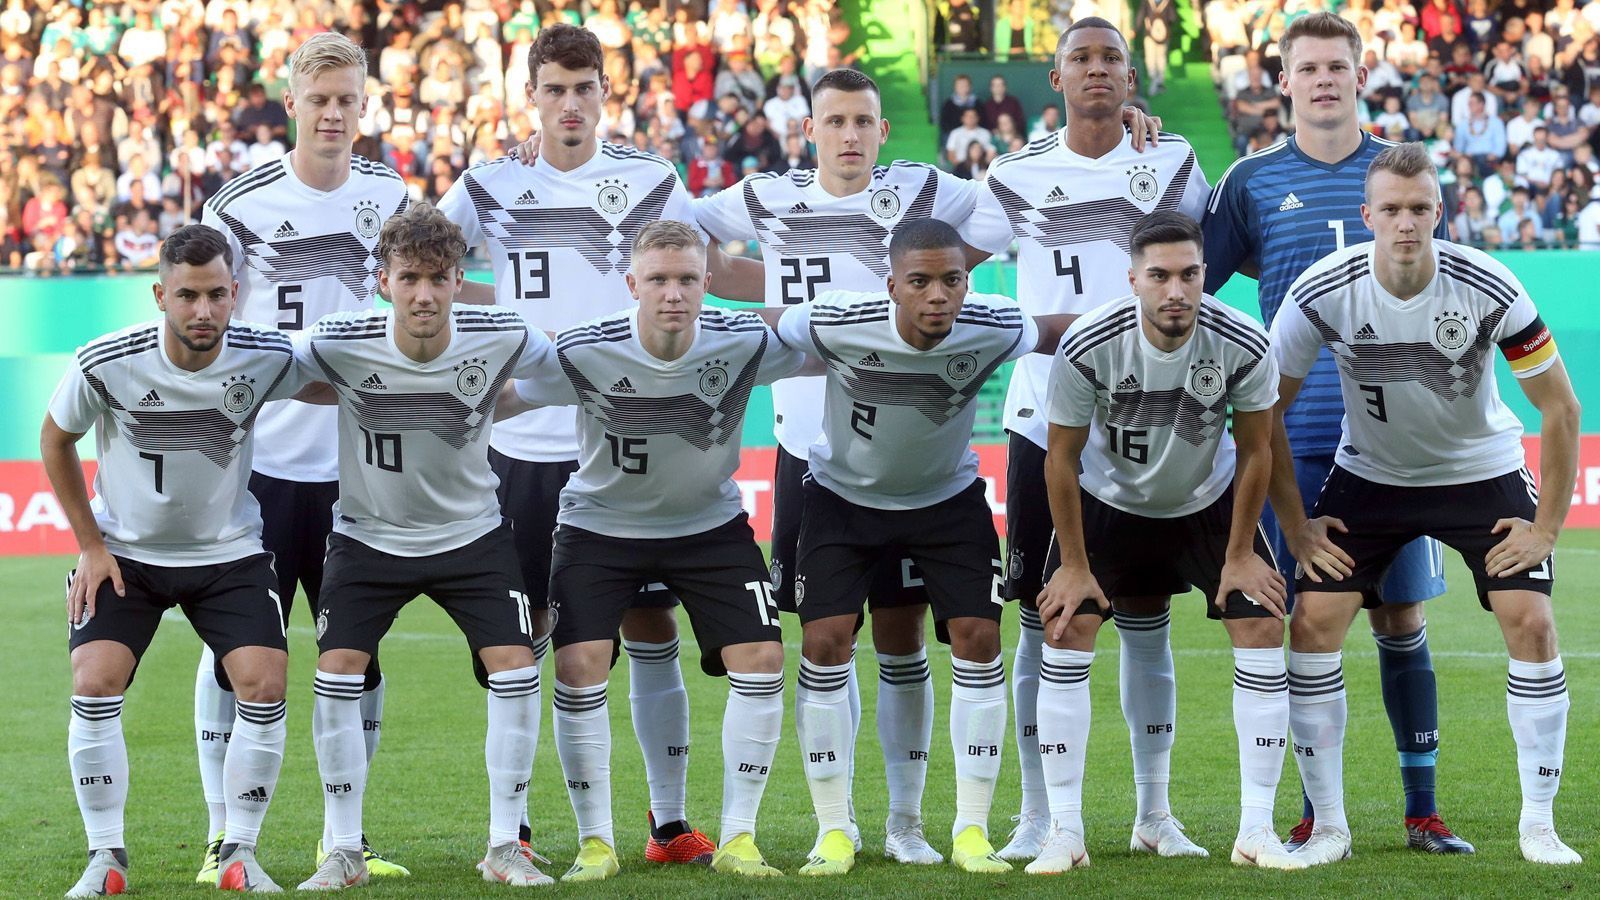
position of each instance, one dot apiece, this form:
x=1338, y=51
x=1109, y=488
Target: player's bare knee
x=506, y=658
x=258, y=674
x=1396, y=619
x=1080, y=633
x=1320, y=621
x=101, y=669
x=898, y=631
x=1528, y=621
x=343, y=662
x=650, y=625
x=764, y=657
x=584, y=664
x=828, y=642
x=974, y=639
x=1255, y=633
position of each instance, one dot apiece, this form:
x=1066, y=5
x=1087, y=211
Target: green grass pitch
x=426, y=805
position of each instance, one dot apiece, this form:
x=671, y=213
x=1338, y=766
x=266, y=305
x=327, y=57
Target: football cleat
x=972, y=852
x=377, y=865
x=907, y=844
x=106, y=874
x=208, y=866
x=337, y=871
x=1163, y=835
x=1299, y=834
x=741, y=856
x=597, y=861
x=1262, y=849
x=237, y=870
x=1539, y=844
x=833, y=855
x=1063, y=851
x=1027, y=837
x=508, y=863
x=1325, y=845
x=1431, y=836
x=686, y=845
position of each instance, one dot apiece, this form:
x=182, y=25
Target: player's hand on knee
x=1257, y=580
x=1145, y=127
x=94, y=567
x=527, y=152
x=1314, y=550
x=1525, y=545
x=1067, y=588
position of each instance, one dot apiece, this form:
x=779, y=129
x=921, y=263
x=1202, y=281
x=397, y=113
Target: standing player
x=1070, y=201
x=1274, y=214
x=1427, y=448
x=1139, y=400
x=417, y=513
x=302, y=229
x=560, y=234
x=894, y=475
x=663, y=389
x=173, y=404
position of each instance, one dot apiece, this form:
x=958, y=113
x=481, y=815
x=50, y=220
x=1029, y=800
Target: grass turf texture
x=426, y=804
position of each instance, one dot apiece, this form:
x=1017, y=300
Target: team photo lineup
x=331, y=408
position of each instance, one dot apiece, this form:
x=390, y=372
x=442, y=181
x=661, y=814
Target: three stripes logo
x=1131, y=383
x=1290, y=202
x=871, y=360
x=1365, y=333
x=527, y=199
x=374, y=383
x=623, y=386
x=799, y=208
x=256, y=795
x=152, y=399
x=285, y=230
x=1056, y=195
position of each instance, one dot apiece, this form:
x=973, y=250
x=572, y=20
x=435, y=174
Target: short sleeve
x=538, y=355
x=956, y=198
x=306, y=369
x=210, y=218
x=75, y=406
x=1524, y=339
x=1030, y=338
x=780, y=361
x=294, y=378
x=680, y=206
x=456, y=204
x=1072, y=394
x=1196, y=191
x=541, y=378
x=1254, y=384
x=987, y=228
x=724, y=216
x=1295, y=341
x=794, y=327
x=1227, y=229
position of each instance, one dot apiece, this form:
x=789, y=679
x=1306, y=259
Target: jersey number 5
x=530, y=269
x=808, y=272
x=294, y=311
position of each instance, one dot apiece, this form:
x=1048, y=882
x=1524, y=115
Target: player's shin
x=1024, y=704
x=977, y=732
x=213, y=725
x=1149, y=705
x=1064, y=716
x=822, y=716
x=661, y=720
x=1411, y=698
x=1261, y=720
x=508, y=747
x=583, y=741
x=751, y=726
x=372, y=712
x=1317, y=714
x=341, y=757
x=250, y=773
x=1537, y=705
x=99, y=761
x=905, y=729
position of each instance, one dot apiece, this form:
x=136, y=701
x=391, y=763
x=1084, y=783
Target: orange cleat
x=688, y=845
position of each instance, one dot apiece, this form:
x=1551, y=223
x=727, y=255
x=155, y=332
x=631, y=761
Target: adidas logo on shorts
x=527, y=199
x=152, y=399
x=374, y=383
x=1131, y=383
x=285, y=231
x=799, y=208
x=871, y=360
x=1290, y=202
x=256, y=795
x=1365, y=333
x=623, y=386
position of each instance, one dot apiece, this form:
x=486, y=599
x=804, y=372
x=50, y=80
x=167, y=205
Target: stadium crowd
x=120, y=119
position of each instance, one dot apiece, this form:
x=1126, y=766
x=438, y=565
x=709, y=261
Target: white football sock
x=341, y=757
x=977, y=732
x=905, y=729
x=1317, y=714
x=583, y=742
x=1024, y=706
x=853, y=687
x=751, y=726
x=1261, y=721
x=541, y=646
x=372, y=718
x=1064, y=717
x=822, y=717
x=508, y=746
x=213, y=724
x=99, y=760
x=1537, y=704
x=661, y=722
x=250, y=774
x=1149, y=705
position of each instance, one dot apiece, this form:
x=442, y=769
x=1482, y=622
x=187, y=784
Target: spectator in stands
x=1566, y=132
x=710, y=172
x=1006, y=137
x=1519, y=130
x=1505, y=74
x=1589, y=115
x=1538, y=162
x=1480, y=25
x=1391, y=124
x=787, y=109
x=138, y=171
x=796, y=154
x=138, y=245
x=755, y=140
x=1426, y=106
x=1498, y=186
x=957, y=28
x=999, y=102
x=1510, y=221
x=1048, y=123
x=1588, y=222
x=1250, y=107
x=1482, y=136
x=960, y=100
x=974, y=163
x=1156, y=20
x=45, y=214
x=969, y=132
x=266, y=147
x=692, y=82
x=1225, y=29
x=1013, y=31
x=1436, y=13
x=257, y=112
x=740, y=79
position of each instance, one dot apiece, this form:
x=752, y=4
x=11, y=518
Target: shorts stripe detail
x=1527, y=688
x=1141, y=623
x=1316, y=685
x=1260, y=684
x=977, y=675
x=756, y=686
x=1029, y=618
x=823, y=678
x=516, y=685
x=652, y=653
x=262, y=713
x=96, y=709
x=576, y=700
x=541, y=647
x=1403, y=643
x=904, y=673
x=338, y=687
x=1063, y=674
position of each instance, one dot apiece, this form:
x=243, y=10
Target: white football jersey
x=175, y=446
x=1421, y=404
x=561, y=244
x=300, y=254
x=812, y=241
x=660, y=439
x=414, y=476
x=897, y=421
x=1159, y=445
x=1071, y=217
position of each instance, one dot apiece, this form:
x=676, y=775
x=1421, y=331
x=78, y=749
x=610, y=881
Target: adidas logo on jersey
x=527, y=199
x=152, y=399
x=1290, y=202
x=871, y=360
x=285, y=231
x=256, y=795
x=1130, y=383
x=374, y=383
x=799, y=208
x=1365, y=333
x=1056, y=195
x=623, y=386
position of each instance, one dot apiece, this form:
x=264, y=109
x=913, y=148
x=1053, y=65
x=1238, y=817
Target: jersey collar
x=1294, y=147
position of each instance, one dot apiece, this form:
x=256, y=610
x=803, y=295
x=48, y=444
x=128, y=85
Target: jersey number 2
x=808, y=272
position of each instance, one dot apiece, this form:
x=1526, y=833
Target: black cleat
x=1431, y=836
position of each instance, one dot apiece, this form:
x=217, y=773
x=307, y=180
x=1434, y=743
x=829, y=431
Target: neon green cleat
x=972, y=852
x=597, y=861
x=377, y=866
x=741, y=856
x=208, y=868
x=835, y=854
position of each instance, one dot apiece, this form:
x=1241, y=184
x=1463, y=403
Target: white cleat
x=906, y=844
x=1062, y=851
x=1027, y=837
x=106, y=874
x=338, y=870
x=511, y=863
x=1541, y=845
x=1326, y=845
x=855, y=833
x=1262, y=849
x=1163, y=835
x=237, y=870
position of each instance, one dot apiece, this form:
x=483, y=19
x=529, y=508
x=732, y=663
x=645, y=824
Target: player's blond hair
x=424, y=237
x=1405, y=161
x=667, y=235
x=324, y=51
x=1321, y=25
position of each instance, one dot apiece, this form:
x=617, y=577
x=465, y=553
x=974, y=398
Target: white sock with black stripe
x=1149, y=688
x=1025, y=707
x=341, y=756
x=99, y=760
x=508, y=747
x=822, y=717
x=1261, y=721
x=213, y=726
x=250, y=773
x=372, y=718
x=583, y=742
x=661, y=721
x=1317, y=714
x=852, y=688
x=977, y=732
x=751, y=726
x=905, y=729
x=1064, y=718
x=1537, y=704
x=541, y=646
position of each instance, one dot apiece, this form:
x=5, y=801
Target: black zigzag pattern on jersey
x=857, y=234
x=442, y=414
x=1076, y=223
x=104, y=351
x=1093, y=336
x=340, y=255
x=606, y=247
x=702, y=425
x=1174, y=408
